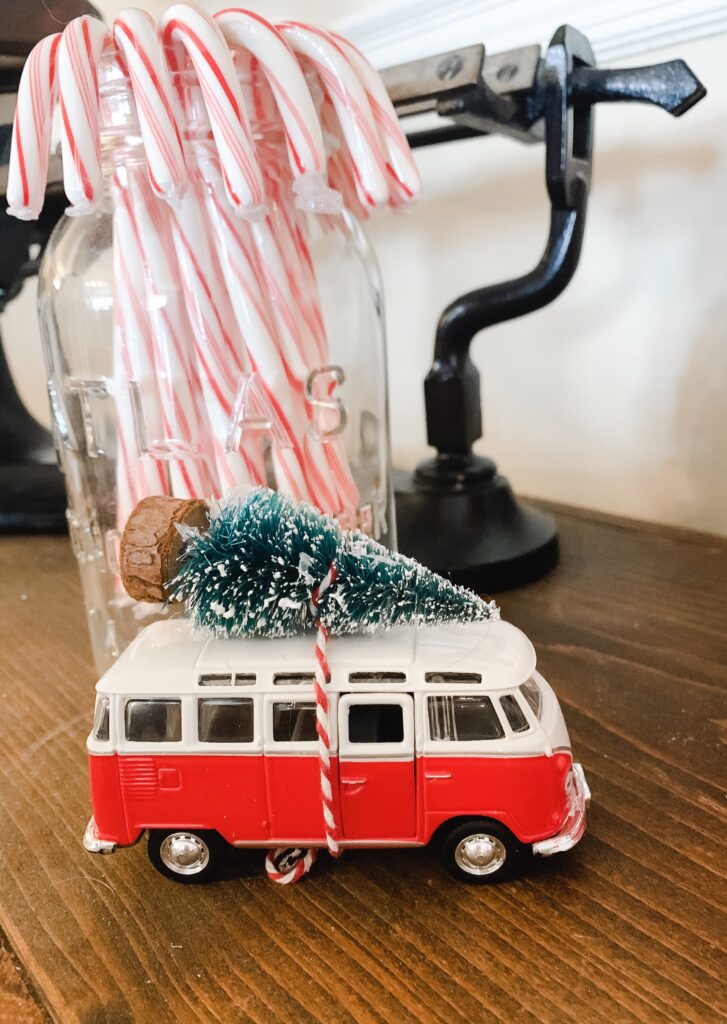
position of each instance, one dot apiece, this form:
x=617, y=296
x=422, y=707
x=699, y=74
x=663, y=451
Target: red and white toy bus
x=445, y=734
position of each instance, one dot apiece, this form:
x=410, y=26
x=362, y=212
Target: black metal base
x=458, y=516
x=32, y=491
x=32, y=498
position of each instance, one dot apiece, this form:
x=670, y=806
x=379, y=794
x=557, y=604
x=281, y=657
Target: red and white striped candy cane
x=221, y=357
x=303, y=137
x=30, y=149
x=296, y=471
x=323, y=722
x=186, y=440
x=186, y=28
x=400, y=165
x=300, y=865
x=138, y=476
x=136, y=37
x=285, y=866
x=352, y=108
x=218, y=347
x=79, y=54
x=328, y=452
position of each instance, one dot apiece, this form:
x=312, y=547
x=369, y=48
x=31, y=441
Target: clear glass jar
x=130, y=333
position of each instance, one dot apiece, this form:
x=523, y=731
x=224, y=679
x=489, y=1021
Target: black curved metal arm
x=451, y=389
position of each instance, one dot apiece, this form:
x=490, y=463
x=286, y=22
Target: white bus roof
x=168, y=656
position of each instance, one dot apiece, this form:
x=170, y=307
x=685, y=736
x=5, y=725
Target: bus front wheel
x=480, y=851
x=185, y=855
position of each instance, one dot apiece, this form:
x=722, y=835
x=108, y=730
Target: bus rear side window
x=463, y=719
x=225, y=720
x=154, y=721
x=101, y=720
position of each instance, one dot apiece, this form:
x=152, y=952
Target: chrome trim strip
x=258, y=844
x=575, y=822
x=93, y=843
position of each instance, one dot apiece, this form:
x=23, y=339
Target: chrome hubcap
x=184, y=853
x=480, y=854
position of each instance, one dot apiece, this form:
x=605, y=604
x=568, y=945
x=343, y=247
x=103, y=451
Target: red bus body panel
x=251, y=799
x=527, y=794
x=378, y=800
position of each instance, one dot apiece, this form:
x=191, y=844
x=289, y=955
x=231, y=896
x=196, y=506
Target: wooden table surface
x=631, y=630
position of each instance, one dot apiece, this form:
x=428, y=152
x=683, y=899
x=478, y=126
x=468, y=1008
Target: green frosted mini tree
x=253, y=573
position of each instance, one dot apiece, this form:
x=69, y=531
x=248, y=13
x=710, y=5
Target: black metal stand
x=456, y=514
x=32, y=493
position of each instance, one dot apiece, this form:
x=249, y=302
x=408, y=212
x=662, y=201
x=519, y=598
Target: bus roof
x=168, y=656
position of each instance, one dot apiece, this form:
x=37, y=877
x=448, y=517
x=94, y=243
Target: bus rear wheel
x=480, y=852
x=185, y=855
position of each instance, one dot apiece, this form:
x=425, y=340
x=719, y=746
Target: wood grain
x=17, y=1005
x=628, y=927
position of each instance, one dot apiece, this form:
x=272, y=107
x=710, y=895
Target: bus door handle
x=437, y=775
x=354, y=782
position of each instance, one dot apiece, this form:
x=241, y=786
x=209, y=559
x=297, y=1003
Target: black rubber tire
x=513, y=858
x=214, y=844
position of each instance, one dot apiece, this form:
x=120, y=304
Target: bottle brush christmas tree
x=252, y=573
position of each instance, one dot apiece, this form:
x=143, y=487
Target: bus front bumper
x=575, y=822
x=92, y=841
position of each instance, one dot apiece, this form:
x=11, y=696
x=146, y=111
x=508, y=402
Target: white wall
x=612, y=398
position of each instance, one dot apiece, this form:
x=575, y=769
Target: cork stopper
x=151, y=544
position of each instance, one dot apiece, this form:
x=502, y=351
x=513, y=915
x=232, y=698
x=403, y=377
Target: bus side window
x=463, y=718
x=294, y=722
x=154, y=721
x=225, y=720
x=375, y=723
x=514, y=713
x=101, y=720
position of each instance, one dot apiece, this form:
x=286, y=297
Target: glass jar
x=195, y=353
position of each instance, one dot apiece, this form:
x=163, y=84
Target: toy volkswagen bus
x=443, y=735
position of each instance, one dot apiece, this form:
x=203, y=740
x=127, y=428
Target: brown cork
x=151, y=544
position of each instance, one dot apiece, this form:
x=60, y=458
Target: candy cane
x=221, y=357
x=138, y=475
x=296, y=472
x=188, y=29
x=299, y=861
x=303, y=136
x=186, y=440
x=285, y=866
x=288, y=225
x=79, y=55
x=352, y=108
x=400, y=162
x=323, y=724
x=136, y=37
x=30, y=149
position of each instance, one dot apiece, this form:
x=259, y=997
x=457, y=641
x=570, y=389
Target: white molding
x=401, y=30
